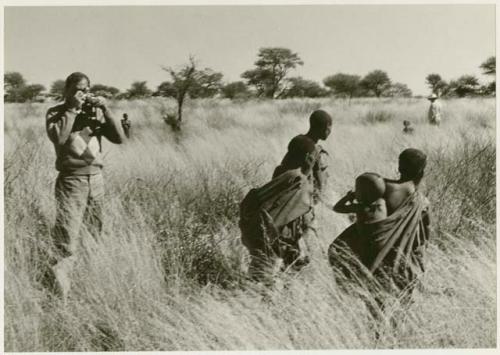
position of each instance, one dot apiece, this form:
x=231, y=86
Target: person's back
x=396, y=193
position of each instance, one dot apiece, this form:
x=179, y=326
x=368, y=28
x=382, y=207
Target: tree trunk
x=180, y=103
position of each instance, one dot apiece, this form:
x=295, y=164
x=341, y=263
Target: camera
x=89, y=105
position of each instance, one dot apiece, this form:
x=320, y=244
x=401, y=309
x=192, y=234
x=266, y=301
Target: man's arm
x=342, y=207
x=426, y=220
x=59, y=124
x=111, y=129
x=320, y=171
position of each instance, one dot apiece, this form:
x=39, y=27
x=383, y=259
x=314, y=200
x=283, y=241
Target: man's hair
x=73, y=79
x=369, y=187
x=319, y=119
x=412, y=164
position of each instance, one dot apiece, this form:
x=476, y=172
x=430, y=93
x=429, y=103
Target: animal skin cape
x=273, y=205
x=394, y=244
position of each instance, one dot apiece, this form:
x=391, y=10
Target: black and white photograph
x=263, y=177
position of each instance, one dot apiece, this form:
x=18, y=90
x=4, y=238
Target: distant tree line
x=269, y=78
x=465, y=85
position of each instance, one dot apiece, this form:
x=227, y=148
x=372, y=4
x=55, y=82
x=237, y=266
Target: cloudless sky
x=118, y=45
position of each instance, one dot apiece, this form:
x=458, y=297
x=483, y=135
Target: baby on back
x=370, y=205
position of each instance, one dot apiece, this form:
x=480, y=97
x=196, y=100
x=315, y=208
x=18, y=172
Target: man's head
x=320, y=124
x=432, y=98
x=125, y=116
x=369, y=187
x=76, y=82
x=406, y=123
x=412, y=164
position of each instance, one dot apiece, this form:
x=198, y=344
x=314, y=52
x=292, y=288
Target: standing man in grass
x=320, y=127
x=274, y=217
x=76, y=130
x=434, y=114
x=126, y=125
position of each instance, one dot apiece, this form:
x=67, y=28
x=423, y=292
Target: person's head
x=125, y=116
x=369, y=187
x=412, y=164
x=320, y=123
x=406, y=123
x=76, y=82
x=303, y=149
x=432, y=98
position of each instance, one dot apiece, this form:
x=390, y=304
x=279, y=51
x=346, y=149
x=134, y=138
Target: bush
x=379, y=116
x=461, y=183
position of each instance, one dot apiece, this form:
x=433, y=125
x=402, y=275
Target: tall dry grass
x=169, y=270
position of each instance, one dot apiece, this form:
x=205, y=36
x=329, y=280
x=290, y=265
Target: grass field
x=169, y=270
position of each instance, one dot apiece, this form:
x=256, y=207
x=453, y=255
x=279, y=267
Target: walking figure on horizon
x=434, y=114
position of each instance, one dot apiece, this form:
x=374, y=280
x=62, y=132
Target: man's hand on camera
x=100, y=102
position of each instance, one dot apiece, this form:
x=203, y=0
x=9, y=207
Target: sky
x=117, y=45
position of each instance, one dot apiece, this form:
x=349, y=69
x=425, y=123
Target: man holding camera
x=76, y=131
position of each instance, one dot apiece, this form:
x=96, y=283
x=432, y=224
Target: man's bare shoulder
x=54, y=112
x=297, y=139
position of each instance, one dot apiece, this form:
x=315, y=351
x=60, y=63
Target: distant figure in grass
x=274, y=217
x=76, y=129
x=390, y=248
x=434, y=114
x=126, y=125
x=408, y=129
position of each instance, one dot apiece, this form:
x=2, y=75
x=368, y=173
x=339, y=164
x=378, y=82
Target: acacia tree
x=436, y=83
x=299, y=87
x=377, y=82
x=16, y=89
x=138, y=90
x=13, y=84
x=31, y=92
x=343, y=84
x=489, y=66
x=271, y=69
x=399, y=90
x=236, y=90
x=57, y=89
x=466, y=85
x=108, y=92
x=188, y=81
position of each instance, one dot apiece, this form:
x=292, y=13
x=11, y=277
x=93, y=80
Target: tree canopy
x=16, y=89
x=57, y=89
x=106, y=91
x=377, y=82
x=436, y=83
x=271, y=69
x=343, y=84
x=138, y=90
x=299, y=87
x=236, y=90
x=190, y=81
x=489, y=66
